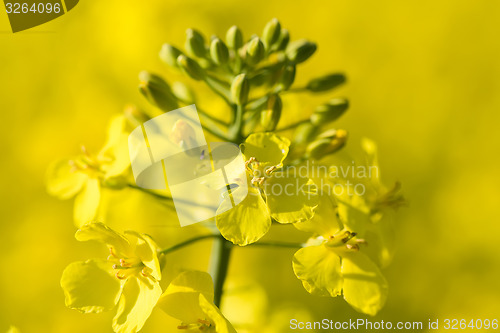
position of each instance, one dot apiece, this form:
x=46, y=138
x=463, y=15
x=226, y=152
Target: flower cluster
x=350, y=236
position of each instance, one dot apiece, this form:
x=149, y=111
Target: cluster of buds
x=250, y=75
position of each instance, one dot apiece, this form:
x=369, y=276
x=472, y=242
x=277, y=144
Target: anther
x=204, y=322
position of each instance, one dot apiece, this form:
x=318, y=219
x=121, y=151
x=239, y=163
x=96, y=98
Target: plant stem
x=279, y=244
x=219, y=264
x=188, y=242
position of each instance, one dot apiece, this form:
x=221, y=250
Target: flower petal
x=115, y=151
x=290, y=198
x=146, y=250
x=213, y=314
x=138, y=299
x=267, y=148
x=62, y=181
x=248, y=221
x=100, y=232
x=325, y=221
x=181, y=299
x=319, y=270
x=365, y=288
x=89, y=286
x=87, y=202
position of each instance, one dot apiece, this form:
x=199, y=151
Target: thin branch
x=188, y=242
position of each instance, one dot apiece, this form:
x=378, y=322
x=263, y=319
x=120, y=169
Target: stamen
x=204, y=322
x=124, y=263
x=353, y=247
x=270, y=170
x=182, y=327
x=120, y=277
x=112, y=252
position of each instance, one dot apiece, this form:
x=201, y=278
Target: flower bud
x=135, y=116
x=327, y=143
x=304, y=133
x=240, y=89
x=195, y=43
x=255, y=51
x=169, y=54
x=219, y=52
x=157, y=91
x=271, y=33
x=234, y=38
x=190, y=67
x=270, y=116
x=282, y=42
x=183, y=92
x=287, y=78
x=330, y=111
x=326, y=82
x=299, y=51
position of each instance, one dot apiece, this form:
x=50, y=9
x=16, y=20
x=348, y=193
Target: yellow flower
x=272, y=192
x=331, y=263
x=189, y=298
x=83, y=176
x=128, y=279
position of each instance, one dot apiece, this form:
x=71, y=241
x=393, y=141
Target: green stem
x=186, y=243
x=279, y=244
x=237, y=126
x=219, y=264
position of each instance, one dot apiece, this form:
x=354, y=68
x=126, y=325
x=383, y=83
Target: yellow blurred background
x=424, y=82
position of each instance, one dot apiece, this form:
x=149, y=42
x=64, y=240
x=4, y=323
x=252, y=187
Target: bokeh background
x=424, y=82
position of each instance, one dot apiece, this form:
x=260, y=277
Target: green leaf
x=248, y=221
x=268, y=148
x=290, y=198
x=89, y=286
x=365, y=288
x=62, y=181
x=319, y=270
x=138, y=299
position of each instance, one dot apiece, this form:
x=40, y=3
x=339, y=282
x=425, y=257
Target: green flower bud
x=234, y=38
x=326, y=82
x=270, y=116
x=219, y=52
x=261, y=77
x=195, y=43
x=135, y=116
x=327, y=143
x=190, y=67
x=157, y=91
x=240, y=89
x=282, y=42
x=183, y=92
x=287, y=78
x=169, y=54
x=271, y=33
x=330, y=111
x=304, y=133
x=255, y=51
x=299, y=51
